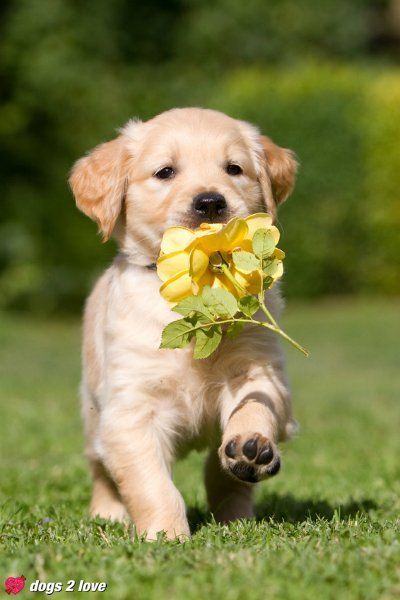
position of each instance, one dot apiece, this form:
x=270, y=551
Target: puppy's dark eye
x=233, y=169
x=165, y=173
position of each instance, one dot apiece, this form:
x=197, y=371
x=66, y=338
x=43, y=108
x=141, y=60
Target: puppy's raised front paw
x=250, y=457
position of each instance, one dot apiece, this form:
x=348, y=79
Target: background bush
x=319, y=77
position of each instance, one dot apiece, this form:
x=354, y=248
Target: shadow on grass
x=288, y=508
x=294, y=510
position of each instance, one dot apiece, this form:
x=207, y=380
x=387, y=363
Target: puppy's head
x=184, y=167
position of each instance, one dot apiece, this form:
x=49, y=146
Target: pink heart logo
x=13, y=585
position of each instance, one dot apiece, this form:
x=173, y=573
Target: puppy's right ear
x=98, y=182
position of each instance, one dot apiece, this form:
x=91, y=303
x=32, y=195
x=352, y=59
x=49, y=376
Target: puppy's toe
x=230, y=449
x=265, y=455
x=250, y=449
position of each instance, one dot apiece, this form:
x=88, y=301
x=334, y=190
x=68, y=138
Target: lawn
x=328, y=525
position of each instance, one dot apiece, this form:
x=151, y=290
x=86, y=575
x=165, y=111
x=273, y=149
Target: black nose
x=209, y=204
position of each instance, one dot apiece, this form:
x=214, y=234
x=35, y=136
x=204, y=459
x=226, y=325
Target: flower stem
x=268, y=314
x=273, y=325
x=278, y=330
x=228, y=275
x=253, y=322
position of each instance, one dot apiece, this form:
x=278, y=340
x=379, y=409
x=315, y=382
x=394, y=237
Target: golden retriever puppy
x=143, y=407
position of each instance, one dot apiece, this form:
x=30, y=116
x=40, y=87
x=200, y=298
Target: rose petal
x=176, y=238
x=221, y=281
x=275, y=233
x=279, y=254
x=206, y=228
x=206, y=279
x=278, y=272
x=258, y=221
x=177, y=288
x=171, y=264
x=235, y=231
x=250, y=282
x=245, y=245
x=198, y=263
x=212, y=242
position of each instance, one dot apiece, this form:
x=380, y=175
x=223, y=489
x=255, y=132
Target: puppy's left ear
x=278, y=173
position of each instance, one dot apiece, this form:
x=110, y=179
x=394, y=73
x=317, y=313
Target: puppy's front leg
x=248, y=450
x=137, y=453
x=255, y=415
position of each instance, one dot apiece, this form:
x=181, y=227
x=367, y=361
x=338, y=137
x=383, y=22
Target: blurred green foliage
x=315, y=75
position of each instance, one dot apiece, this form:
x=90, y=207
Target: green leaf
x=177, y=334
x=267, y=282
x=193, y=305
x=248, y=305
x=220, y=302
x=245, y=262
x=207, y=341
x=234, y=329
x=263, y=243
x=270, y=267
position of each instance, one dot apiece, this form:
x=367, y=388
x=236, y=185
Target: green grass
x=327, y=526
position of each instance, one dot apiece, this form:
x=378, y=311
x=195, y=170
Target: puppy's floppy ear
x=98, y=182
x=280, y=167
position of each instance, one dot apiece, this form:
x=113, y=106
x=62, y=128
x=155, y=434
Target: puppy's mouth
x=194, y=221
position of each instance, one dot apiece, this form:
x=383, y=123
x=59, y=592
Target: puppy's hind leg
x=106, y=501
x=228, y=498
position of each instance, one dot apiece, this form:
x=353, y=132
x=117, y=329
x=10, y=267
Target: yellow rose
x=191, y=259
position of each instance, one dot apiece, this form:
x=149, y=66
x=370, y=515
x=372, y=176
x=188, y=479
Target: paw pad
x=251, y=458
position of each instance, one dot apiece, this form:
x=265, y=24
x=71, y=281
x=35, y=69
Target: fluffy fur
x=143, y=407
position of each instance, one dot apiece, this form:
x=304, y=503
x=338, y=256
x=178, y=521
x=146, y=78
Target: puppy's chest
x=184, y=394
x=171, y=377
x=181, y=380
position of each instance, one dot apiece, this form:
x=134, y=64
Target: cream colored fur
x=144, y=407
